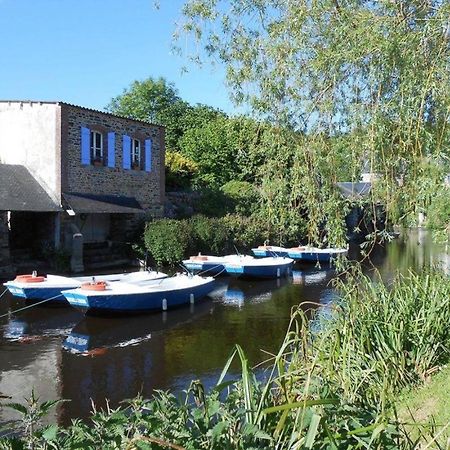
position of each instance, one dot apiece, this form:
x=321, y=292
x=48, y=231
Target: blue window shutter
x=111, y=149
x=85, y=145
x=148, y=155
x=126, y=151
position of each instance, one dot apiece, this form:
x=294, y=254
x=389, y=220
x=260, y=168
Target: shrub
x=179, y=170
x=246, y=232
x=167, y=240
x=210, y=235
x=170, y=240
x=243, y=196
x=213, y=203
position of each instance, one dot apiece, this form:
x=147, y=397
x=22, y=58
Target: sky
x=87, y=51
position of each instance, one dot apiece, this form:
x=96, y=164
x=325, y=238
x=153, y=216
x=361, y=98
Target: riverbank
x=429, y=406
x=333, y=382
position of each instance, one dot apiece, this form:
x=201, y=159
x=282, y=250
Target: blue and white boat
x=150, y=295
x=314, y=254
x=263, y=251
x=33, y=287
x=271, y=267
x=206, y=264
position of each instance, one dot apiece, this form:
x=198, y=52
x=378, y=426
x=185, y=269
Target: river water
x=166, y=350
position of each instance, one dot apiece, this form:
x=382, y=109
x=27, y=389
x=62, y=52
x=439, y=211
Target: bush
x=213, y=203
x=179, y=170
x=247, y=232
x=210, y=235
x=170, y=240
x=167, y=240
x=243, y=197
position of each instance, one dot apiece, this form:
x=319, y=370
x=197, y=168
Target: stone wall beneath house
x=6, y=269
x=146, y=187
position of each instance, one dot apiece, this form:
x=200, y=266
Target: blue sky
x=87, y=51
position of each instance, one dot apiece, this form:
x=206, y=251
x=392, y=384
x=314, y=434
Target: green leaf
x=312, y=430
x=304, y=404
x=17, y=407
x=50, y=433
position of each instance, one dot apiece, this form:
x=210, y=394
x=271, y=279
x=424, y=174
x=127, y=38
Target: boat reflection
x=252, y=291
x=94, y=335
x=37, y=323
x=313, y=276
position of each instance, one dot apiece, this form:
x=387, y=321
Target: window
x=135, y=153
x=96, y=146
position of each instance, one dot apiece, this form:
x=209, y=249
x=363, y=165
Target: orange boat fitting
x=199, y=258
x=94, y=286
x=29, y=278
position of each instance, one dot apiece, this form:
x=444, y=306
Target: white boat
x=270, y=250
x=271, y=267
x=212, y=265
x=150, y=295
x=314, y=254
x=34, y=287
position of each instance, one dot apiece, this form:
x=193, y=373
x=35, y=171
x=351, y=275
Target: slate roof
x=55, y=102
x=19, y=191
x=103, y=204
x=354, y=190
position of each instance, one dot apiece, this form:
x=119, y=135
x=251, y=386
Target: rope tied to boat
x=10, y=313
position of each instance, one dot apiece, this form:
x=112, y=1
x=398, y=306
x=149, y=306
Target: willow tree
x=360, y=83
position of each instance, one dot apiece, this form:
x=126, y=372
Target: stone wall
x=146, y=187
x=181, y=204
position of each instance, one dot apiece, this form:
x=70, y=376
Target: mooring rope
x=212, y=268
x=4, y=292
x=10, y=313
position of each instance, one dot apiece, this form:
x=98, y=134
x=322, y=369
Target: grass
x=429, y=405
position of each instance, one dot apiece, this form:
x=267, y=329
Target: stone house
x=74, y=178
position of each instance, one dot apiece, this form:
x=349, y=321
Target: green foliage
x=247, y=232
x=179, y=170
x=211, y=147
x=438, y=212
x=384, y=338
x=210, y=235
x=350, y=85
x=155, y=101
x=243, y=195
x=213, y=202
x=167, y=240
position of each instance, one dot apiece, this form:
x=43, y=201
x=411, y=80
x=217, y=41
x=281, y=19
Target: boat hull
x=314, y=256
x=260, y=270
x=35, y=294
x=206, y=267
x=265, y=252
x=135, y=303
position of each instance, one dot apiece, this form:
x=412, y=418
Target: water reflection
x=63, y=354
x=251, y=291
x=94, y=335
x=40, y=322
